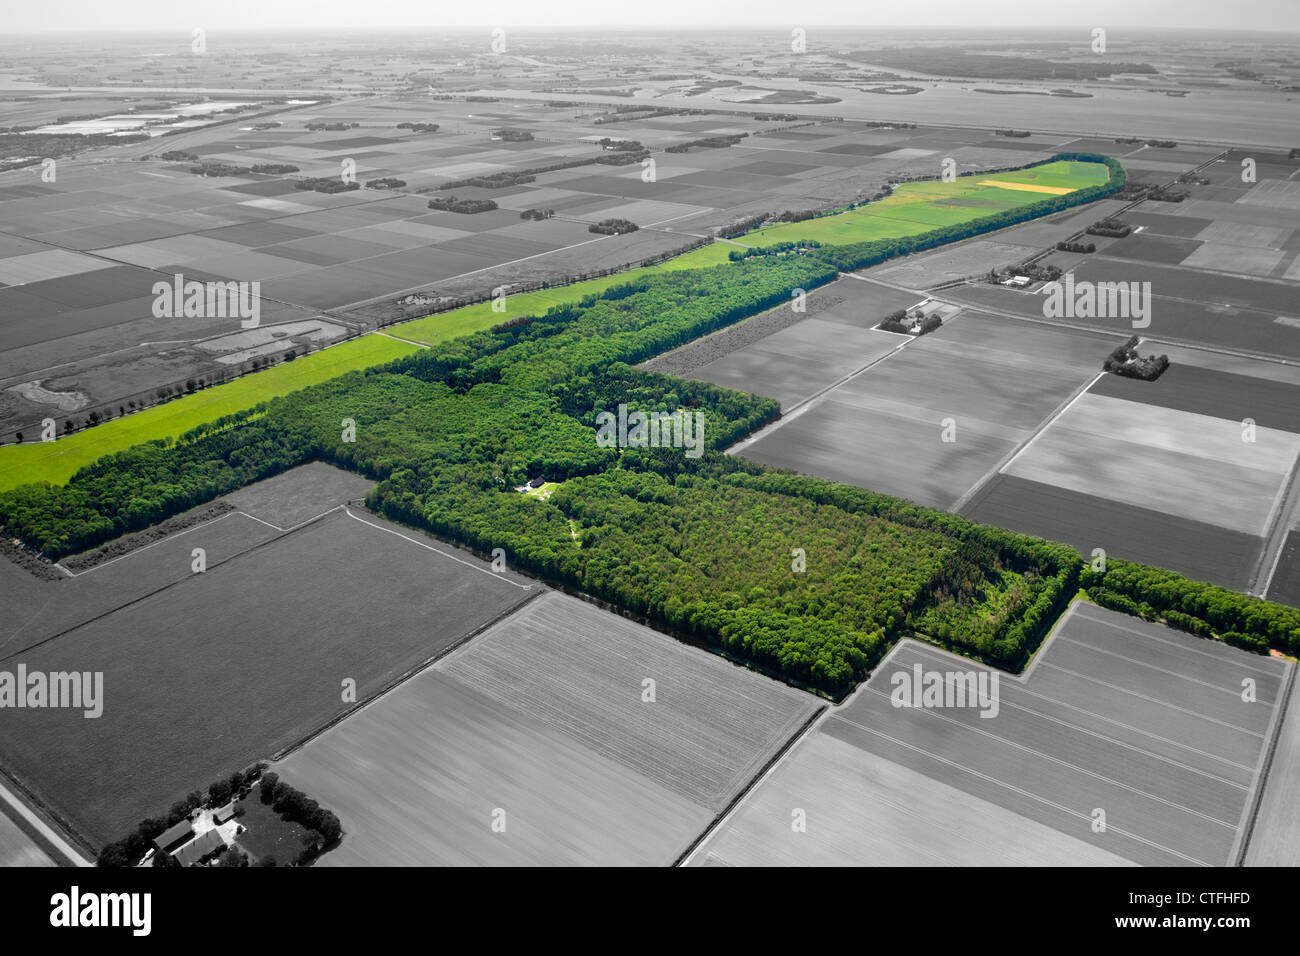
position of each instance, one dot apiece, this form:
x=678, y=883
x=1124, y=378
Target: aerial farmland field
x=1142, y=723
x=310, y=346
x=1192, y=472
x=916, y=207
x=252, y=651
x=547, y=718
x=1186, y=464
x=885, y=428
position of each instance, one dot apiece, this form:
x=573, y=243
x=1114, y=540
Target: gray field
x=222, y=668
x=996, y=379
x=1190, y=465
x=17, y=848
x=794, y=359
x=542, y=716
x=415, y=781
x=1275, y=839
x=1196, y=549
x=300, y=493
x=32, y=610
x=867, y=811
x=797, y=362
x=1135, y=719
x=53, y=607
x=569, y=664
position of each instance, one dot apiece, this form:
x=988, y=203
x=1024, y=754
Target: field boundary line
x=411, y=672
x=809, y=725
x=1041, y=650
x=153, y=544
x=1059, y=761
x=1020, y=790
x=1024, y=686
x=300, y=524
x=398, y=338
x=1277, y=529
x=1153, y=700
x=1285, y=708
x=1274, y=521
x=263, y=521
x=1165, y=640
x=468, y=564
x=1051, y=421
x=1267, y=585
x=1162, y=670
x=170, y=584
x=1115, y=740
x=1012, y=455
x=812, y=400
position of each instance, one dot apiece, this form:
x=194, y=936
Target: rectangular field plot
x=890, y=452
x=797, y=362
x=543, y=717
x=994, y=379
x=134, y=566
x=225, y=667
x=1148, y=247
x=1201, y=551
x=103, y=588
x=1197, y=315
x=1141, y=722
x=1181, y=463
x=1222, y=257
x=1247, y=391
x=971, y=258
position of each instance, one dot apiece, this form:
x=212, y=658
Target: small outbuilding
x=200, y=848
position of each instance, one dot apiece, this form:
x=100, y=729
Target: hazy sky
x=213, y=15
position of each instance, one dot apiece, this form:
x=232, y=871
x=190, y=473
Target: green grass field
x=918, y=207
x=912, y=208
x=58, y=460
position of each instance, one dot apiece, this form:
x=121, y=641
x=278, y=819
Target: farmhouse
x=174, y=836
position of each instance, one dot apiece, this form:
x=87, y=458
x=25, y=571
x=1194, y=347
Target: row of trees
x=492, y=180
x=328, y=184
x=464, y=206
x=296, y=807
x=613, y=227
x=1204, y=609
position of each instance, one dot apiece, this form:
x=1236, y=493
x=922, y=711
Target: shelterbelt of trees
x=805, y=578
